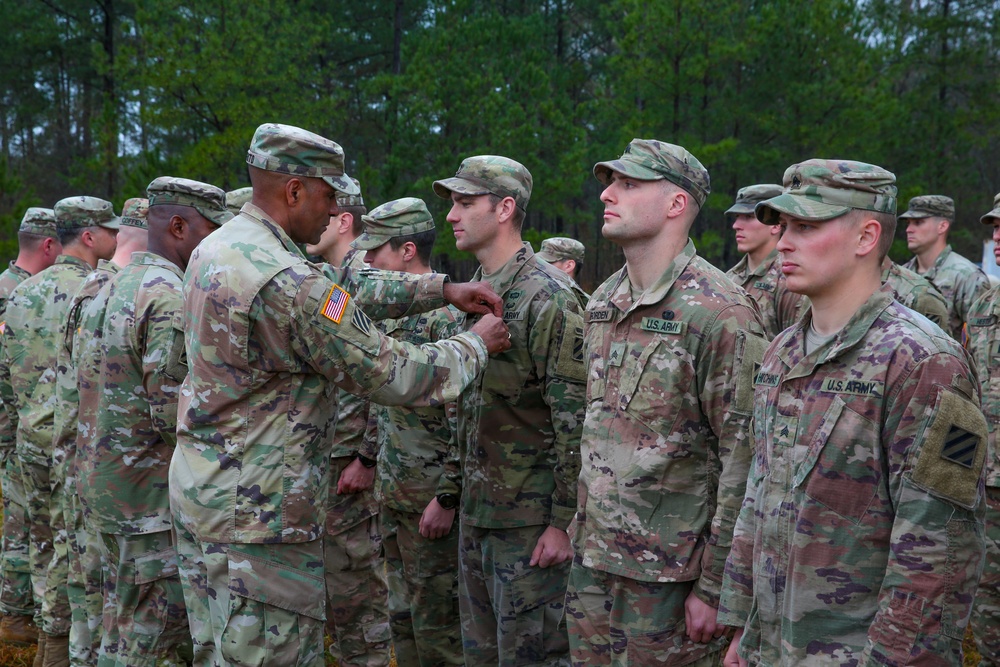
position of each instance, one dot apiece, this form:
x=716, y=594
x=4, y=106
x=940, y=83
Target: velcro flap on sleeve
x=569, y=363
x=749, y=353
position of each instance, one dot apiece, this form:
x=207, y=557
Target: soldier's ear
x=293, y=190
x=177, y=226
x=409, y=251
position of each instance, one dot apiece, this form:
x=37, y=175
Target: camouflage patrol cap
x=930, y=206
x=207, y=199
x=560, y=248
x=400, y=217
x=292, y=150
x=747, y=198
x=995, y=213
x=134, y=213
x=651, y=160
x=826, y=189
x=83, y=212
x=344, y=199
x=489, y=174
x=39, y=221
x=236, y=198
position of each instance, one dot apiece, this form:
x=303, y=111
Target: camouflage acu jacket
x=269, y=337
x=141, y=366
x=9, y=279
x=779, y=308
x=960, y=282
x=34, y=326
x=522, y=457
x=984, y=346
x=418, y=450
x=916, y=293
x=666, y=444
x=860, y=541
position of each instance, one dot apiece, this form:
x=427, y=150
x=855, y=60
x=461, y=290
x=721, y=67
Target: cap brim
x=741, y=209
x=446, y=186
x=342, y=183
x=369, y=242
x=115, y=223
x=602, y=171
x=803, y=208
x=547, y=257
x=990, y=217
x=218, y=217
x=914, y=214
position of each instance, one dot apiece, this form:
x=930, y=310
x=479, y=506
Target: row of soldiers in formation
x=207, y=430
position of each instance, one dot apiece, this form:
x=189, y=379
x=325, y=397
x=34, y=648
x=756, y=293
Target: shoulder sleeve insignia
x=336, y=304
x=361, y=322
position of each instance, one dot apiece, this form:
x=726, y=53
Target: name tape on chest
x=336, y=304
x=767, y=379
x=513, y=315
x=852, y=387
x=764, y=285
x=662, y=326
x=599, y=315
x=983, y=321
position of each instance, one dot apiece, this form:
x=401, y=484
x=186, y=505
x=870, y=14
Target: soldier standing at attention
x=915, y=292
x=268, y=338
x=860, y=540
x=759, y=272
x=960, y=281
x=520, y=431
x=356, y=592
x=984, y=346
x=37, y=314
x=124, y=480
x=672, y=346
x=419, y=467
x=37, y=248
x=567, y=256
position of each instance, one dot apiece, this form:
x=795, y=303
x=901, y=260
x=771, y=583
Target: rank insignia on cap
x=336, y=303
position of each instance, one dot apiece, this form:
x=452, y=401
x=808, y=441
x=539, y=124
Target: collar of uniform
x=741, y=270
x=765, y=266
x=888, y=269
x=939, y=262
x=502, y=280
x=846, y=338
x=621, y=296
x=259, y=216
x=70, y=259
x=17, y=270
x=355, y=257
x=146, y=258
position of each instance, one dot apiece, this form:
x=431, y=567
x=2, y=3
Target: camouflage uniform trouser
x=512, y=613
x=45, y=521
x=259, y=605
x=84, y=585
x=423, y=592
x=148, y=614
x=357, y=596
x=15, y=566
x=618, y=621
x=986, y=610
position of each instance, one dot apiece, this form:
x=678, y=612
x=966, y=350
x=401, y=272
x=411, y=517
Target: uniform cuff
x=562, y=516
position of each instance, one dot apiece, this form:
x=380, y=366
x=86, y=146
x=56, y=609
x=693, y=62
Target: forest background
x=101, y=96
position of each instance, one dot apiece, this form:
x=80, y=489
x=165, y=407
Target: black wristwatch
x=366, y=462
x=448, y=501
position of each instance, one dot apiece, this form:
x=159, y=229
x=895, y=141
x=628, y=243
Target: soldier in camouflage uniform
x=419, y=468
x=357, y=617
x=36, y=320
x=84, y=561
x=269, y=337
x=915, y=292
x=671, y=349
x=87, y=565
x=123, y=481
x=236, y=198
x=984, y=346
x=860, y=540
x=38, y=247
x=567, y=256
x=520, y=431
x=759, y=272
x=960, y=281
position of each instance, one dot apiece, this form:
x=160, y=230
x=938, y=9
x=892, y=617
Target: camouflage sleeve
x=349, y=434
x=936, y=446
x=556, y=344
x=159, y=336
x=972, y=287
x=734, y=348
x=8, y=412
x=371, y=442
x=932, y=305
x=338, y=340
x=391, y=295
x=451, y=473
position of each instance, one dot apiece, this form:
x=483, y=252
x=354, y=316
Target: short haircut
x=69, y=236
x=423, y=240
x=887, y=221
x=30, y=241
x=357, y=224
x=517, y=220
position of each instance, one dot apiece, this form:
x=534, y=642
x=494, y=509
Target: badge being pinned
x=336, y=303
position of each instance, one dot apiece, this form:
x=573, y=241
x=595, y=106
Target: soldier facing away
x=860, y=538
x=672, y=346
x=269, y=336
x=520, y=427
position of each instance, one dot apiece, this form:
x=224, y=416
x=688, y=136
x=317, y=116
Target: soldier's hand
x=552, y=548
x=700, y=618
x=474, y=298
x=436, y=521
x=493, y=332
x=355, y=478
x=733, y=658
